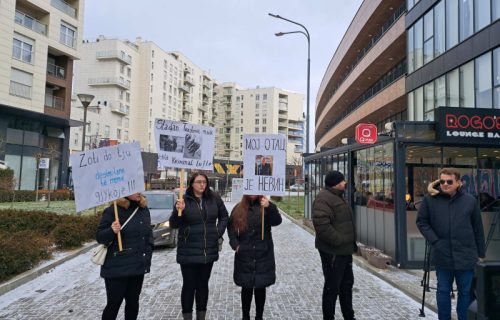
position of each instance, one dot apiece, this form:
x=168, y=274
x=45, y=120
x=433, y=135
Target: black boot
x=187, y=316
x=200, y=315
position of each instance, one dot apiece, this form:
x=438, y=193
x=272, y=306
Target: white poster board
x=44, y=163
x=264, y=162
x=236, y=189
x=106, y=174
x=184, y=145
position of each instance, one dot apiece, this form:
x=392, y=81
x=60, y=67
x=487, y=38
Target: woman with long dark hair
x=201, y=225
x=254, y=265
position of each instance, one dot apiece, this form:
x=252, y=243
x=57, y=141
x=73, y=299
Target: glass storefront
x=388, y=181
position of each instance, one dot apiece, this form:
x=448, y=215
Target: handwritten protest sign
x=236, y=189
x=264, y=161
x=184, y=145
x=106, y=174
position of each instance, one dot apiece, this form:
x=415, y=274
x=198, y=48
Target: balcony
x=187, y=109
x=56, y=71
x=282, y=131
x=187, y=71
x=183, y=88
x=30, y=23
x=283, y=107
x=185, y=118
x=54, y=102
x=189, y=81
x=205, y=101
x=292, y=133
x=114, y=54
x=120, y=108
x=299, y=150
x=64, y=7
x=282, y=117
x=203, y=108
x=109, y=81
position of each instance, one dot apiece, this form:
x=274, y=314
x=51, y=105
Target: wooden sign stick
x=120, y=246
x=181, y=191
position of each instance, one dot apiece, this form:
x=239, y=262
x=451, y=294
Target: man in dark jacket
x=450, y=220
x=336, y=242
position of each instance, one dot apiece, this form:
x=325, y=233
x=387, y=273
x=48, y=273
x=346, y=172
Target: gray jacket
x=453, y=226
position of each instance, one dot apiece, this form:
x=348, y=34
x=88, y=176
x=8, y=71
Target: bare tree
x=37, y=156
x=52, y=151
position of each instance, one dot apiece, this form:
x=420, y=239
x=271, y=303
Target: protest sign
x=44, y=163
x=184, y=145
x=106, y=174
x=236, y=189
x=264, y=162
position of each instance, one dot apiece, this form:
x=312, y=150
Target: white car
x=297, y=187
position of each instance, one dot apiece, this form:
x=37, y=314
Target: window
x=482, y=14
x=256, y=121
x=122, y=69
x=451, y=23
x=106, y=131
x=118, y=134
x=428, y=37
x=411, y=51
x=21, y=83
x=411, y=109
x=22, y=48
x=440, y=92
x=264, y=121
x=495, y=10
x=439, y=29
x=419, y=104
x=264, y=96
x=429, y=101
x=127, y=96
x=129, y=72
x=120, y=94
x=467, y=85
x=263, y=129
x=257, y=97
x=483, y=81
x=418, y=34
x=75, y=142
x=496, y=78
x=257, y=129
x=152, y=77
x=452, y=88
x=67, y=35
x=466, y=18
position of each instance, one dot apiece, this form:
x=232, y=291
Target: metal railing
x=54, y=102
x=64, y=7
x=111, y=54
x=30, y=23
x=55, y=71
x=109, y=81
x=20, y=90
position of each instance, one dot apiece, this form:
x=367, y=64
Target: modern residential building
x=427, y=74
x=260, y=110
x=134, y=83
x=39, y=42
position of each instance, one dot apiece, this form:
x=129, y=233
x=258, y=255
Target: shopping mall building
x=427, y=74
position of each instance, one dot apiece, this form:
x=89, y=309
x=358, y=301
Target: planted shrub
x=18, y=220
x=20, y=251
x=68, y=235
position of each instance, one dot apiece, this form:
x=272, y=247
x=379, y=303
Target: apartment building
x=134, y=83
x=259, y=110
x=39, y=41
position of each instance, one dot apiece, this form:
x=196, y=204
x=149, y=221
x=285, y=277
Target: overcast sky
x=233, y=39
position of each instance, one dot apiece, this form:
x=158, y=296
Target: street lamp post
x=306, y=34
x=85, y=99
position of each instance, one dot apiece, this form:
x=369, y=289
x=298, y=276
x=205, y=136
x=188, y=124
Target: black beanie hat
x=333, y=178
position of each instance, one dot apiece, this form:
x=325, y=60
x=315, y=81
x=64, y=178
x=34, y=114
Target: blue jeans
x=443, y=296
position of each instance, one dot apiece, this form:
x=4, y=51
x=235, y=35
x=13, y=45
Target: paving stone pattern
x=74, y=289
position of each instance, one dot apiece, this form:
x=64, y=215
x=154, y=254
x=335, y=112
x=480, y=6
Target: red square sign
x=366, y=133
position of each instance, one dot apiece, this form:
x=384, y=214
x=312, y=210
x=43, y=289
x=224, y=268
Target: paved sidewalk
x=74, y=290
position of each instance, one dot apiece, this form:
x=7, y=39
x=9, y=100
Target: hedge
x=27, y=237
x=29, y=195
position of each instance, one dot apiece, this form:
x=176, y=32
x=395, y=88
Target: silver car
x=160, y=204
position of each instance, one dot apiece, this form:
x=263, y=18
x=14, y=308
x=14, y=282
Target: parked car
x=297, y=187
x=160, y=204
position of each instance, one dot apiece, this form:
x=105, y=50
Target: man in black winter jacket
x=450, y=220
x=336, y=242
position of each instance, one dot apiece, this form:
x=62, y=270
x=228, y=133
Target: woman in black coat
x=123, y=272
x=201, y=225
x=254, y=265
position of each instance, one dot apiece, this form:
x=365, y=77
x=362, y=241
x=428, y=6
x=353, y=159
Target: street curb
x=29, y=275
x=367, y=267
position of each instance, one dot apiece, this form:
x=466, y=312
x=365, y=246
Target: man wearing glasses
x=450, y=220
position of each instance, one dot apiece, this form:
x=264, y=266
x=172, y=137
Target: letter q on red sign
x=366, y=133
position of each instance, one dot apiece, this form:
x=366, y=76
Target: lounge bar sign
x=467, y=125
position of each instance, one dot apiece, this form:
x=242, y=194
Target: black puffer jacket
x=200, y=227
x=453, y=226
x=254, y=265
x=137, y=240
x=334, y=223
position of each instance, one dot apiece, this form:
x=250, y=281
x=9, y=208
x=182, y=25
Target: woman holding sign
x=123, y=270
x=201, y=224
x=254, y=265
